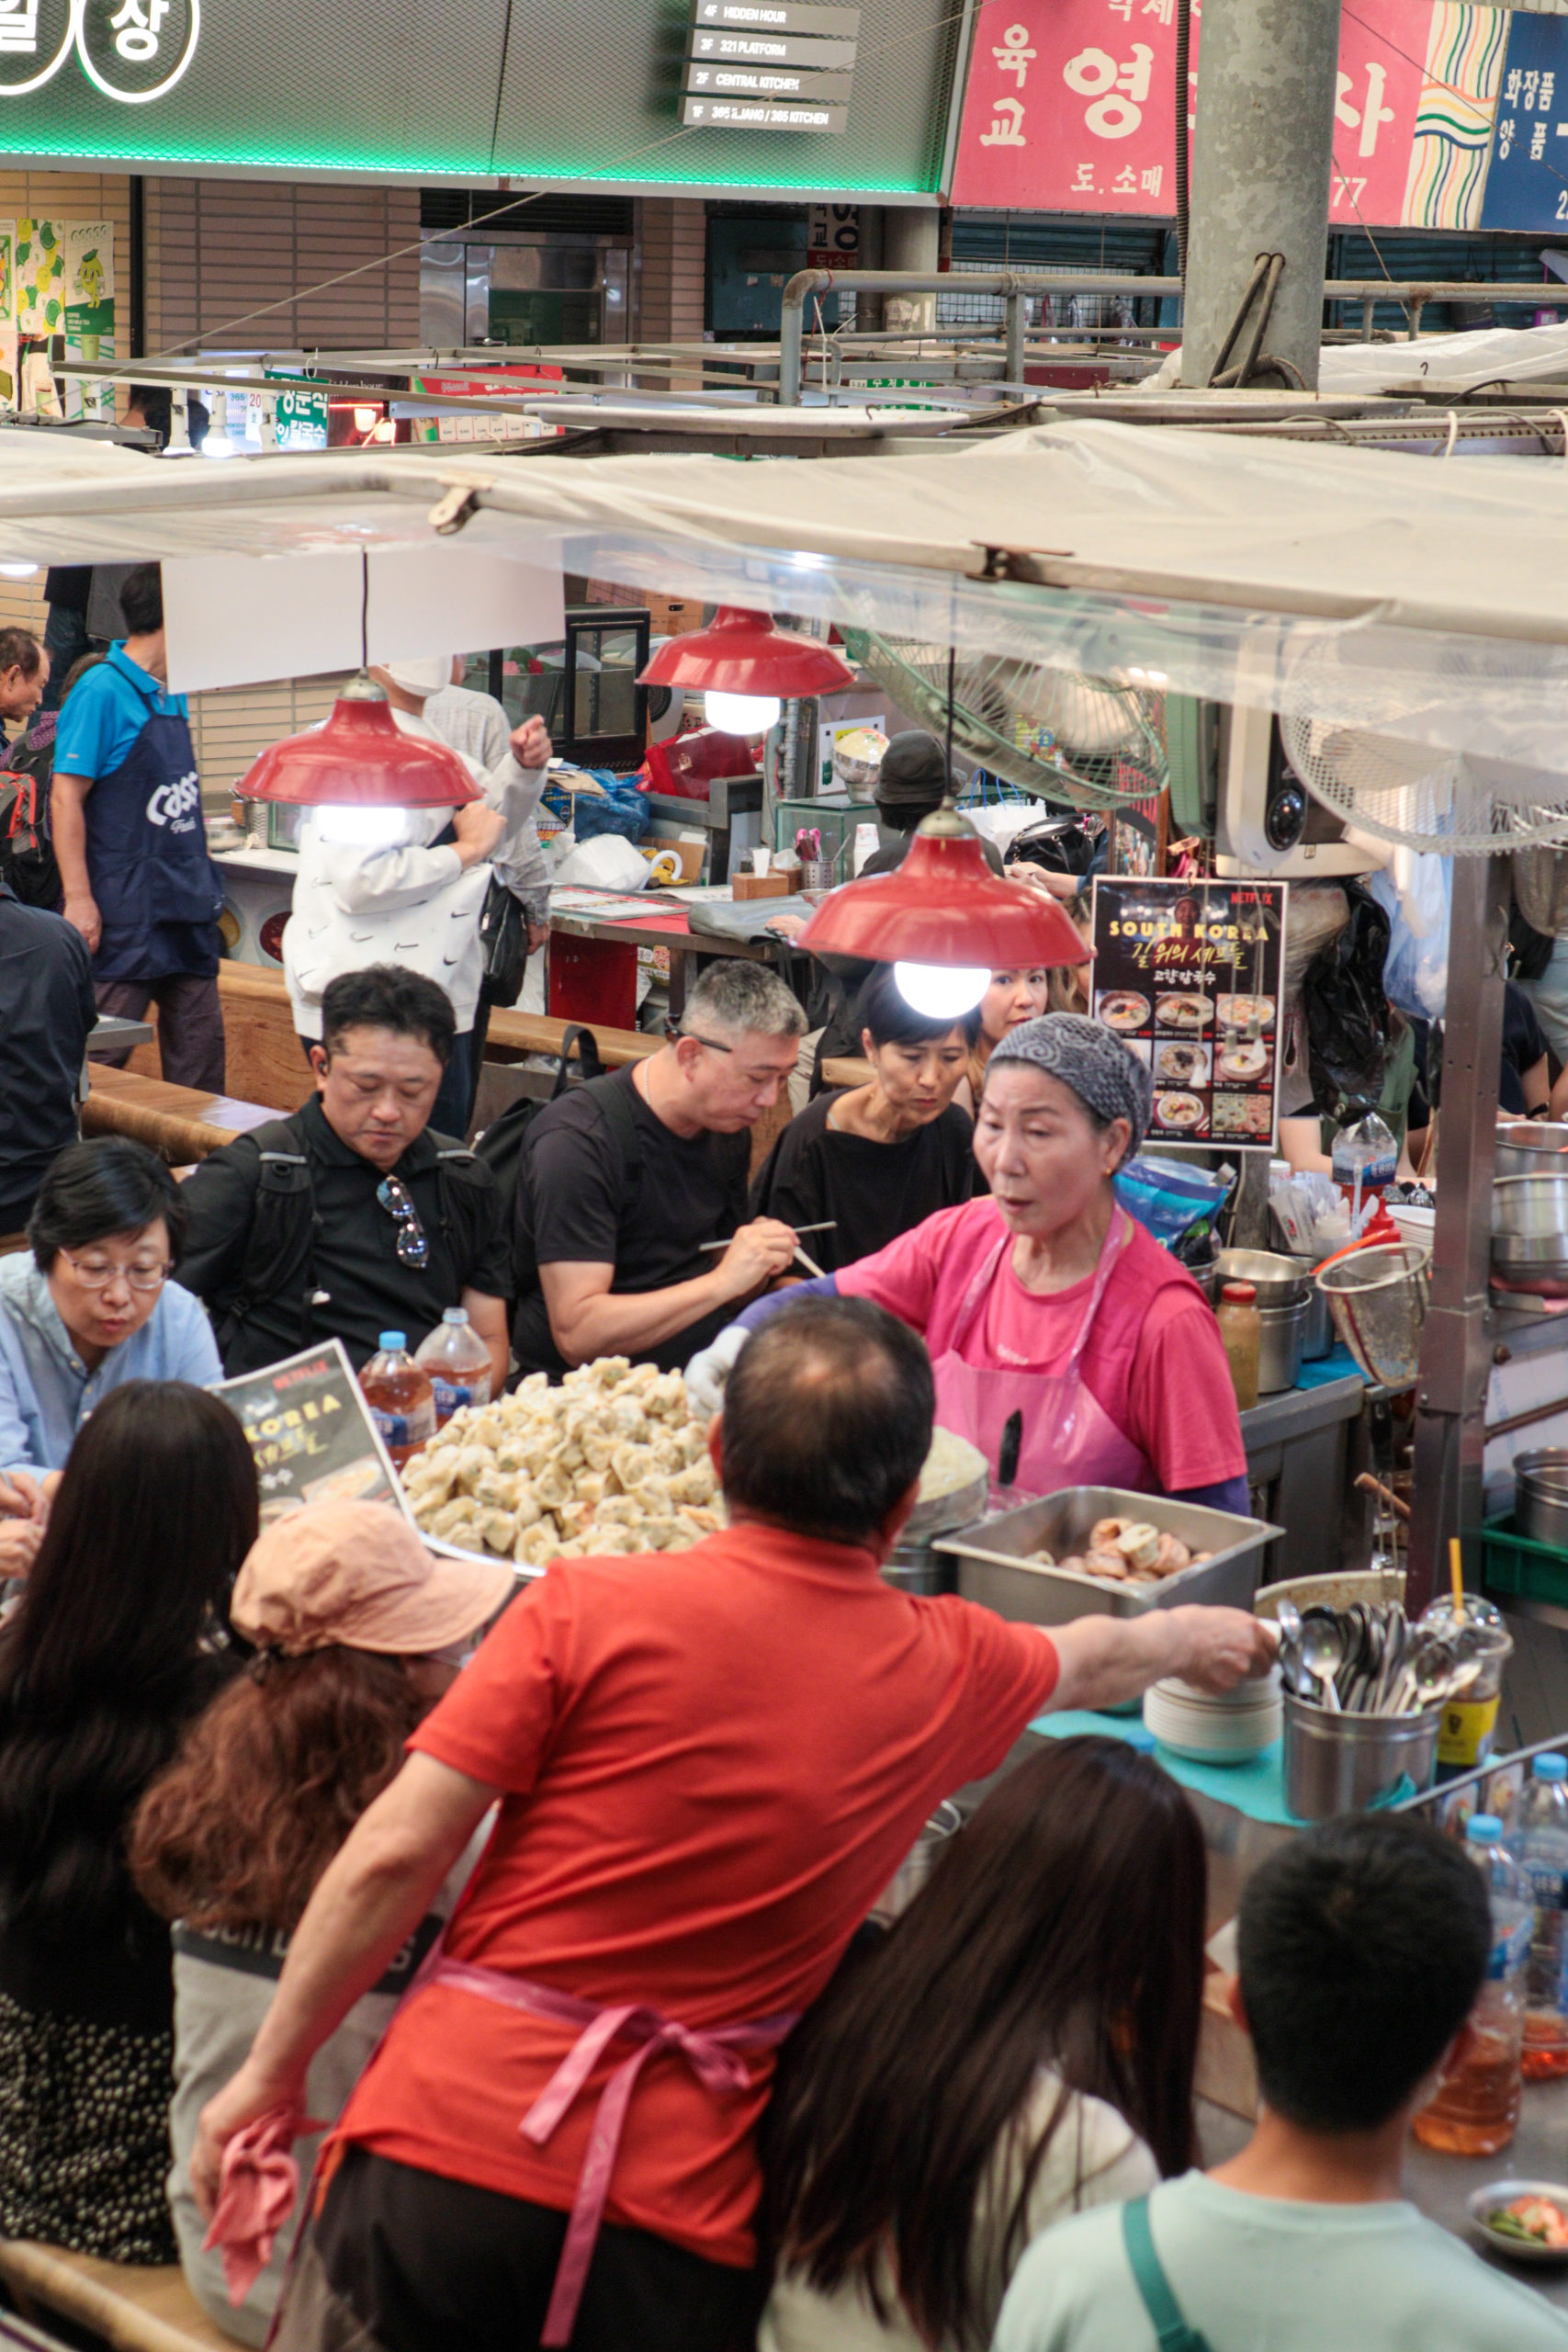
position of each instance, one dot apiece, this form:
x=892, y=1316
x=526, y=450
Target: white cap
x=424, y=673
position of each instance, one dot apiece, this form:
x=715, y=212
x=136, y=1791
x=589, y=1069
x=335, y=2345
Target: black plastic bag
x=1348, y=1013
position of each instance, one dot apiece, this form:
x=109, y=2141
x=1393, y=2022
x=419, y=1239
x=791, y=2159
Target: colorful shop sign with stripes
x=1449, y=116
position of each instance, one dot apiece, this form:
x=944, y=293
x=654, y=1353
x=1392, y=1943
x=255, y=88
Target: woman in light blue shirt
x=91, y=1306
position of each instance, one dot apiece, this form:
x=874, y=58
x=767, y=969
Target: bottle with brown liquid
x=1476, y=2111
x=1241, y=1328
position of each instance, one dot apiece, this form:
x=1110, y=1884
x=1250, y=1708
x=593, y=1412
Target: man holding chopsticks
x=625, y=1184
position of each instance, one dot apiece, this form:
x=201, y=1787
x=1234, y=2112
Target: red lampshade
x=360, y=759
x=943, y=905
x=742, y=653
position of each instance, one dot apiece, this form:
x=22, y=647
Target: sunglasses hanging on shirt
x=414, y=1246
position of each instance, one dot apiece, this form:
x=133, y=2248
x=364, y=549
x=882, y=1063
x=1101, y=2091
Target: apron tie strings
x=712, y=2053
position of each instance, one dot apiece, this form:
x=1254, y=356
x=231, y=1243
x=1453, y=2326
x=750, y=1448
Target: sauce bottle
x=1241, y=1328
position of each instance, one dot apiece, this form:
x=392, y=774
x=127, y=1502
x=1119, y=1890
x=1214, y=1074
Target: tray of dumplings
x=612, y=1460
x=1100, y=1550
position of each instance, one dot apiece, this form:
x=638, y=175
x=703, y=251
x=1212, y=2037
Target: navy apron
x=158, y=893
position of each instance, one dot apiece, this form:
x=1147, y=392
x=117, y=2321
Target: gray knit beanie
x=1106, y=1077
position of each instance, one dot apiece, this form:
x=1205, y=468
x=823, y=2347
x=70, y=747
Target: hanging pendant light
x=361, y=764
x=746, y=668
x=941, y=918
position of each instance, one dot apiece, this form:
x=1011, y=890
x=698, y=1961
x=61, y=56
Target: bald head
x=826, y=1419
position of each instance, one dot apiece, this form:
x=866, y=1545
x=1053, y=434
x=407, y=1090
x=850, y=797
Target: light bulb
x=365, y=416
x=354, y=826
x=741, y=714
x=18, y=570
x=942, y=992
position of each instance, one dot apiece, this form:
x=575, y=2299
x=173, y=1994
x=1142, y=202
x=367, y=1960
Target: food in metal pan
x=1128, y=1551
x=612, y=1460
x=1124, y=1008
x=1194, y=1012
x=1179, y=1110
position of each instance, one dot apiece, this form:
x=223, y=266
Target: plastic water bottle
x=400, y=1397
x=1542, y=1844
x=1365, y=1161
x=457, y=1362
x=1476, y=2112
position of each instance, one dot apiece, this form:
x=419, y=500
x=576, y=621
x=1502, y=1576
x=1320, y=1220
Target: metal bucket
x=1540, y=1495
x=915, y=1567
x=1378, y=1299
x=1348, y=1763
x=918, y=1863
x=1278, y=1280
x=1280, y=1350
x=1531, y=1148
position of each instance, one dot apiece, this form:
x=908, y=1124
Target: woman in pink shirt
x=1067, y=1345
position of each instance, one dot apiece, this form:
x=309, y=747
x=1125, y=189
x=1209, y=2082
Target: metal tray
x=993, y=1567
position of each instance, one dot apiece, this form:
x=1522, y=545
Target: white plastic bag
x=608, y=862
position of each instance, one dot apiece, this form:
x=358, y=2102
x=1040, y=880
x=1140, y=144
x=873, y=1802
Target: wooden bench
x=182, y=1124
x=133, y=2307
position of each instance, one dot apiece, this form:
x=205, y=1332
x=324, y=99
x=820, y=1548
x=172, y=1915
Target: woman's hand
x=248, y=2097
x=20, y=1541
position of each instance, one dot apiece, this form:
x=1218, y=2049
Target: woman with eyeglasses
x=91, y=1308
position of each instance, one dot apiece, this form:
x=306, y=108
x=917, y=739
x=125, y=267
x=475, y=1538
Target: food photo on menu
x=1187, y=976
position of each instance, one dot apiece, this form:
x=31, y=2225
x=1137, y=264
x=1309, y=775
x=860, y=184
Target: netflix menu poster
x=1188, y=975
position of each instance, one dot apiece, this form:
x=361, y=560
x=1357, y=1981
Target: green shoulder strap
x=1149, y=2273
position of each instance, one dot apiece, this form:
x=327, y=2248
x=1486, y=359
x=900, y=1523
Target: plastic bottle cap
x=1484, y=1829
x=390, y=1340
x=1243, y=1292
x=1551, y=1767
x=455, y=1315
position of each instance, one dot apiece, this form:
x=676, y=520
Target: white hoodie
x=409, y=903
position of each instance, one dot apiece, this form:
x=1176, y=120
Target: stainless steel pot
x=1531, y=1209
x=1317, y=1333
x=1540, y=1495
x=918, y=1863
x=1279, y=1280
x=1280, y=1349
x=1347, y=1763
x=915, y=1567
x=1531, y=1148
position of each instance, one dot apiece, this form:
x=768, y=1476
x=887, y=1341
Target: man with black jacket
x=353, y=1217
x=47, y=1014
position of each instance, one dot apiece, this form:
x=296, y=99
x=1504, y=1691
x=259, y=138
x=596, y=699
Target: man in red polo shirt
x=708, y=1766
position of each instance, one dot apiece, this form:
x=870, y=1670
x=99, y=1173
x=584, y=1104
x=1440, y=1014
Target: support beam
x=1262, y=154
x=910, y=241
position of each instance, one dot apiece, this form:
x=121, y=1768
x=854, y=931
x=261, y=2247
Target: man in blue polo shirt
x=131, y=845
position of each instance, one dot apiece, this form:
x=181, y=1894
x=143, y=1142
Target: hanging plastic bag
x=1170, y=1198
x=1346, y=1004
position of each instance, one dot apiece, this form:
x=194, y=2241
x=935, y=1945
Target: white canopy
x=1421, y=598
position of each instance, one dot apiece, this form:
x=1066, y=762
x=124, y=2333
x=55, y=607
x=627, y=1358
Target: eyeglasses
x=674, y=1031
x=413, y=1248
x=92, y=1275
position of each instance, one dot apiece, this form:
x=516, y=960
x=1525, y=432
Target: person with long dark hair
x=1021, y=2045
x=357, y=1631
x=117, y=1643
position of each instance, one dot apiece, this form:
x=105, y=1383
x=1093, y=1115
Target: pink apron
x=1069, y=1439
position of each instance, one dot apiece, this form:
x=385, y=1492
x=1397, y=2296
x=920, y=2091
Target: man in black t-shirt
x=622, y=1181
x=354, y=1217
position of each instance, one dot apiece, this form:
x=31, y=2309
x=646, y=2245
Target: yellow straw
x=1458, y=1573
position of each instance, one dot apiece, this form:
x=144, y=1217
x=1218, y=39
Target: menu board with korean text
x=311, y=1433
x=1188, y=975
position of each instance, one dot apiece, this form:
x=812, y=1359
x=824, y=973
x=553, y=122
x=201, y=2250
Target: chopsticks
x=827, y=1225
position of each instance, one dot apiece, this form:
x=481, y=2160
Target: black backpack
x=280, y=1257
x=502, y=1145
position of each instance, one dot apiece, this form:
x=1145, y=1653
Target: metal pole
x=1262, y=154
x=1456, y=1354
x=1018, y=325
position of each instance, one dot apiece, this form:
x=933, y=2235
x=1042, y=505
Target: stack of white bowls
x=1213, y=1727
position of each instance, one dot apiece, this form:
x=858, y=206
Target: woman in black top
x=119, y=1641
x=877, y=1160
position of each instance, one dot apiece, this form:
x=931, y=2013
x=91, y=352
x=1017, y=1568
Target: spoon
x=1323, y=1652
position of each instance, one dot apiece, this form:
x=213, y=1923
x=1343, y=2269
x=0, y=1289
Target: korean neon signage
x=132, y=51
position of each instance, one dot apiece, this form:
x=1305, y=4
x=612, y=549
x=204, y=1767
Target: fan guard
x=1087, y=742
